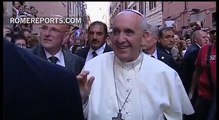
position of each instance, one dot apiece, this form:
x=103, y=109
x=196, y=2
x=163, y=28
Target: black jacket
x=72, y=61
x=35, y=89
x=84, y=51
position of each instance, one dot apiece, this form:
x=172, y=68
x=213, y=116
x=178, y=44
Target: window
x=214, y=19
x=63, y=3
x=70, y=6
x=141, y=7
x=134, y=7
x=152, y=5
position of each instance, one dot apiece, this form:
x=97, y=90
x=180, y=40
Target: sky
x=96, y=10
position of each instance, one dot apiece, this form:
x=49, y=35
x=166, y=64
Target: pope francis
x=126, y=84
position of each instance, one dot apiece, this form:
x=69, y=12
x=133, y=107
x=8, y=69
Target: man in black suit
x=149, y=46
x=50, y=47
x=97, y=35
x=199, y=38
x=166, y=45
x=35, y=89
x=165, y=39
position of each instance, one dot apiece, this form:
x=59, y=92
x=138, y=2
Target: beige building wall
x=185, y=13
x=7, y=13
x=116, y=7
x=67, y=9
x=133, y=5
x=50, y=8
x=154, y=16
x=46, y=9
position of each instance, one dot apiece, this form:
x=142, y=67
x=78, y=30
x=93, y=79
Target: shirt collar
x=98, y=51
x=154, y=53
x=198, y=45
x=58, y=55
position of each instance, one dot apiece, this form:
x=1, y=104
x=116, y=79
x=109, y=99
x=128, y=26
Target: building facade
x=154, y=13
x=182, y=13
x=151, y=10
x=46, y=9
x=116, y=7
x=188, y=13
x=7, y=6
x=75, y=10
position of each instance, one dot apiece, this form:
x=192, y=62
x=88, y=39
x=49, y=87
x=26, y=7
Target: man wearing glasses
x=50, y=47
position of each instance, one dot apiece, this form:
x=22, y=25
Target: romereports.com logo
x=45, y=20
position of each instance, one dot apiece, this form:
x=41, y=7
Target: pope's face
x=127, y=36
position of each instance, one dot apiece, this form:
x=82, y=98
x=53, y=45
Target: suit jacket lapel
x=158, y=54
x=39, y=51
x=107, y=49
x=67, y=59
x=86, y=52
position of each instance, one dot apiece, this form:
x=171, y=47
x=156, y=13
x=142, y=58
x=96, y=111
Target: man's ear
x=158, y=40
x=66, y=34
x=146, y=34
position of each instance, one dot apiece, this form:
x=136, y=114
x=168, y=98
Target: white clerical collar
x=132, y=64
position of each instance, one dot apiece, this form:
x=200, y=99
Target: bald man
x=50, y=48
x=198, y=39
x=127, y=84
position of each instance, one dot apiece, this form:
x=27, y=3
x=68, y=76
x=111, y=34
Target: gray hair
x=151, y=29
x=195, y=36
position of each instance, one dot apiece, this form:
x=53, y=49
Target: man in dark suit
x=165, y=39
x=97, y=35
x=166, y=45
x=35, y=89
x=149, y=46
x=199, y=38
x=50, y=47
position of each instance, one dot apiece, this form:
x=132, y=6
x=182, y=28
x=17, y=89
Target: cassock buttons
x=128, y=100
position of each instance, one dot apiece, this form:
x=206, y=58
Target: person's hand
x=84, y=85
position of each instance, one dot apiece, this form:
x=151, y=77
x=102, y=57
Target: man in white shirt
x=149, y=46
x=128, y=84
x=97, y=36
x=50, y=47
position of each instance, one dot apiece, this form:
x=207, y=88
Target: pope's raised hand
x=85, y=85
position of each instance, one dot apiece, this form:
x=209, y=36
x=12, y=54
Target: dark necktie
x=94, y=54
x=53, y=59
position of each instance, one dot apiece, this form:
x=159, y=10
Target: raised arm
x=85, y=85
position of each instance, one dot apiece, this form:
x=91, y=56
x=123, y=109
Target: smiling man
x=50, y=48
x=127, y=84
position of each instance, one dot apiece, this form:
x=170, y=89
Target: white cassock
x=156, y=90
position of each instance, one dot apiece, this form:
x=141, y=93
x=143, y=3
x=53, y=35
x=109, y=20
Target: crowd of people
x=143, y=73
x=22, y=34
